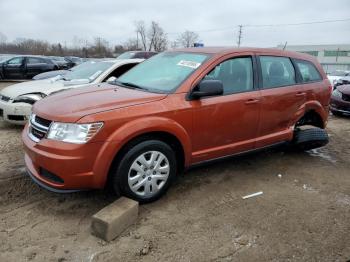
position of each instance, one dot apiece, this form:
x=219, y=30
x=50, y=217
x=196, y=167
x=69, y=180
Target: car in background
x=136, y=54
x=16, y=100
x=5, y=57
x=25, y=67
x=336, y=75
x=61, y=62
x=74, y=60
x=342, y=81
x=50, y=74
x=340, y=100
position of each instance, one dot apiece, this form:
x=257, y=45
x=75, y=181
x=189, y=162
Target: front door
x=14, y=68
x=227, y=124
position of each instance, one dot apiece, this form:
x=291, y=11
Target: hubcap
x=148, y=173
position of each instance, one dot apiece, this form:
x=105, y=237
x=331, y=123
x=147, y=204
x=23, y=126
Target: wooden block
x=112, y=220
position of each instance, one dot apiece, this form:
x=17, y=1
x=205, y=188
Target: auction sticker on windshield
x=190, y=64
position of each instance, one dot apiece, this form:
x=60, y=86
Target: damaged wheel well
x=311, y=118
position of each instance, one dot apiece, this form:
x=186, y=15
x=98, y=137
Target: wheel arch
x=314, y=114
x=165, y=130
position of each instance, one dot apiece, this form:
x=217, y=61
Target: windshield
x=88, y=70
x=126, y=55
x=57, y=58
x=164, y=72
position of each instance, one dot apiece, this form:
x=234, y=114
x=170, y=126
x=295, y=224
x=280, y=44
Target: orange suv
x=177, y=109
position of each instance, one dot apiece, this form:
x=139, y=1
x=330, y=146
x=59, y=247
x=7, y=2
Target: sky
x=216, y=22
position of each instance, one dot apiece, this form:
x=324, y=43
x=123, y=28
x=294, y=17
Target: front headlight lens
x=29, y=98
x=336, y=93
x=73, y=133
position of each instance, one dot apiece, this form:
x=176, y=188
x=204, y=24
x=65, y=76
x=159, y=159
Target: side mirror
x=111, y=79
x=207, y=88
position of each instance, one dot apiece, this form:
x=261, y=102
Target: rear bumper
x=15, y=113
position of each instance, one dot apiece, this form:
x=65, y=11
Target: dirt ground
x=303, y=215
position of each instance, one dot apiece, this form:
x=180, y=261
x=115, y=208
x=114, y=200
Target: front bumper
x=15, y=113
x=77, y=167
x=339, y=105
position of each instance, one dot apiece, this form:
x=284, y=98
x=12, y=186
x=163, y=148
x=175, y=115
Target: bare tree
x=188, y=38
x=130, y=44
x=3, y=38
x=141, y=30
x=157, y=38
x=101, y=47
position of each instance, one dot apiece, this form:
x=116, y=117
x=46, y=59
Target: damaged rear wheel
x=306, y=139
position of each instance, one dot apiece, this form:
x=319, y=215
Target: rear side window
x=277, y=71
x=35, y=60
x=308, y=71
x=235, y=74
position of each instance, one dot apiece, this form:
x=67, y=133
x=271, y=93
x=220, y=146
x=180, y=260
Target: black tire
x=336, y=113
x=120, y=173
x=310, y=138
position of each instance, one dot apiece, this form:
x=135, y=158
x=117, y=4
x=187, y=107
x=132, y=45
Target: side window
x=236, y=75
x=15, y=61
x=34, y=60
x=308, y=71
x=277, y=71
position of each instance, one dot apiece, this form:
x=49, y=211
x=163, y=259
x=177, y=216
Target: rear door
x=14, y=68
x=281, y=98
x=34, y=66
x=227, y=124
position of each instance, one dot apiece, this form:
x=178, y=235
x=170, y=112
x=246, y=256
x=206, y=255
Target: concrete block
x=112, y=220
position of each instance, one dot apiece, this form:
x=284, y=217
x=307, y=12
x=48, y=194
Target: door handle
x=252, y=101
x=300, y=94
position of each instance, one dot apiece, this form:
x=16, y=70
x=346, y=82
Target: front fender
x=133, y=129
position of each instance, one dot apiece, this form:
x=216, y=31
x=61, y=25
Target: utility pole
x=137, y=40
x=239, y=35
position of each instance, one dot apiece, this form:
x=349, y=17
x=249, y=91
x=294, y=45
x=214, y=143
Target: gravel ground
x=302, y=215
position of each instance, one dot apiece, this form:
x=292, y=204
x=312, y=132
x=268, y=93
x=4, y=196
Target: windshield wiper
x=128, y=84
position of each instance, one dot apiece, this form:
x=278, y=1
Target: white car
x=336, y=75
x=16, y=100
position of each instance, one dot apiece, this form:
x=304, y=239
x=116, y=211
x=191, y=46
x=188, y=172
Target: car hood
x=72, y=105
x=345, y=89
x=45, y=86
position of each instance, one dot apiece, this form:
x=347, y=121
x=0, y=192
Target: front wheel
x=146, y=171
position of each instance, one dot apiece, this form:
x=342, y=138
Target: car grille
x=346, y=97
x=38, y=128
x=4, y=98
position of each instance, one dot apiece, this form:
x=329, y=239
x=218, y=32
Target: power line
x=268, y=25
x=303, y=23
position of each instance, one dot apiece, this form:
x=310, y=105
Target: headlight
x=29, y=98
x=336, y=93
x=73, y=133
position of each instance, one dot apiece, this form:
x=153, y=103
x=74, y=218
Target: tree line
x=148, y=38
